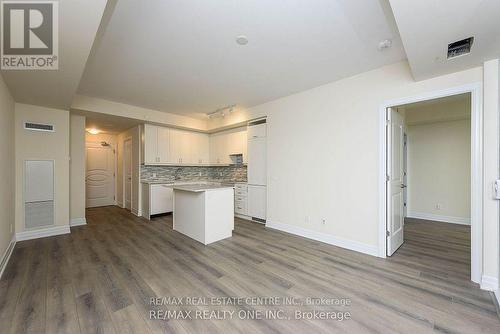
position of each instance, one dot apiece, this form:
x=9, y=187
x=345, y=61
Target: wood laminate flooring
x=101, y=278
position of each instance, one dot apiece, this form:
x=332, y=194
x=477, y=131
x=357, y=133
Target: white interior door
x=100, y=179
x=127, y=172
x=395, y=182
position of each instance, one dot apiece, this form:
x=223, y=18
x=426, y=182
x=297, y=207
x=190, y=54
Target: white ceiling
x=78, y=25
x=428, y=26
x=181, y=56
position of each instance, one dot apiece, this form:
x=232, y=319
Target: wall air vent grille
x=39, y=127
x=460, y=48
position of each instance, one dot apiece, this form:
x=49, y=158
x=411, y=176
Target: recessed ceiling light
x=93, y=131
x=385, y=44
x=242, y=40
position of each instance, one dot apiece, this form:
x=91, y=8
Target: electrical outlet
x=308, y=219
x=438, y=206
x=323, y=221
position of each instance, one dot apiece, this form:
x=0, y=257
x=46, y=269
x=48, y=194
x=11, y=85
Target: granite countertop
x=157, y=182
x=197, y=187
x=192, y=182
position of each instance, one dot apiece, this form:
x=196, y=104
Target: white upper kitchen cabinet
x=200, y=148
x=163, y=145
x=150, y=144
x=224, y=144
x=218, y=150
x=181, y=143
x=166, y=146
x=155, y=145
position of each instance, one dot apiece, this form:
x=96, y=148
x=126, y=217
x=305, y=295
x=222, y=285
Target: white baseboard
x=78, y=222
x=489, y=283
x=439, y=218
x=42, y=233
x=323, y=237
x=6, y=255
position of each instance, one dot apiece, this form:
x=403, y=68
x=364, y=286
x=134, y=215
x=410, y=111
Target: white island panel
x=189, y=214
x=219, y=210
x=204, y=213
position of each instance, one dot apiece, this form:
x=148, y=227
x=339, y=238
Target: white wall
x=6, y=168
x=109, y=138
x=323, y=151
x=77, y=169
x=92, y=104
x=43, y=145
x=439, y=171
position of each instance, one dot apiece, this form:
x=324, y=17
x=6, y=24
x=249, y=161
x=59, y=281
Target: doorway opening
x=432, y=182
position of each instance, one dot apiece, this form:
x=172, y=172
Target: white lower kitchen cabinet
x=240, y=199
x=257, y=201
x=156, y=199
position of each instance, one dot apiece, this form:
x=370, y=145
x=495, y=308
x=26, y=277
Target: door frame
x=476, y=168
x=124, y=205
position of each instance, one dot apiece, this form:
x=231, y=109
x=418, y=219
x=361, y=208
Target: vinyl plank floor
x=102, y=277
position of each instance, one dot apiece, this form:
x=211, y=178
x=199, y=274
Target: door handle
x=403, y=186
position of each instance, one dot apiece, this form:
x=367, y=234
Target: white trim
x=476, y=168
x=42, y=233
x=6, y=255
x=124, y=193
x=489, y=283
x=78, y=222
x=323, y=237
x=497, y=295
x=439, y=218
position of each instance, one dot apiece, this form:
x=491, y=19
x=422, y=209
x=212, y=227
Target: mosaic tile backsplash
x=234, y=173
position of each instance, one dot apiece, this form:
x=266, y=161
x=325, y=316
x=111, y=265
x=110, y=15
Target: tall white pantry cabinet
x=257, y=170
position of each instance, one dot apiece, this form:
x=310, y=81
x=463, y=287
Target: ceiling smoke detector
x=460, y=48
x=385, y=44
x=242, y=40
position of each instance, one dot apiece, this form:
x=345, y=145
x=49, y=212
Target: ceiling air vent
x=460, y=48
x=39, y=127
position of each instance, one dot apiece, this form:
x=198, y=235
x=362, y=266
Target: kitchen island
x=204, y=212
